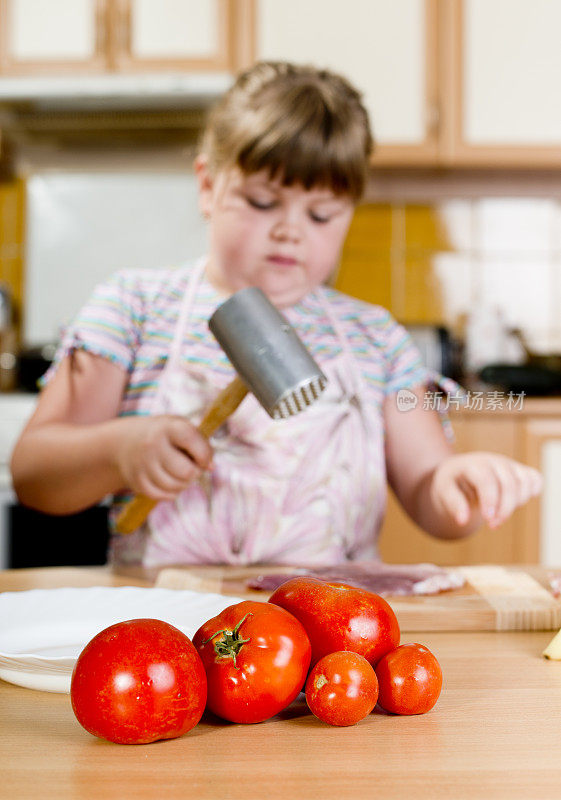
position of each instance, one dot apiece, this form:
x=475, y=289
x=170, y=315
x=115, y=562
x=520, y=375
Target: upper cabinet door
x=503, y=93
x=39, y=37
x=172, y=34
x=387, y=49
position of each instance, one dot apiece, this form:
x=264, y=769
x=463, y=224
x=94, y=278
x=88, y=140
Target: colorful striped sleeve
x=108, y=325
x=403, y=363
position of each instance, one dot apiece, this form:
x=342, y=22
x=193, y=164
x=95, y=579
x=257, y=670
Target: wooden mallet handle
x=136, y=512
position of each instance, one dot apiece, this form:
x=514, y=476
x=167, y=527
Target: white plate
x=43, y=631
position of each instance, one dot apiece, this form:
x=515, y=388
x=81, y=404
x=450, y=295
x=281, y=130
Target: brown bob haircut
x=302, y=124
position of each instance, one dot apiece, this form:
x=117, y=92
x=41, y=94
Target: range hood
x=114, y=92
x=107, y=111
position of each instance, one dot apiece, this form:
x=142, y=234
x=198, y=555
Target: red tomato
x=138, y=681
x=410, y=680
x=340, y=617
x=256, y=657
x=342, y=688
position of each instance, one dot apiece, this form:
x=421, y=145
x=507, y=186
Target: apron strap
x=174, y=358
x=342, y=337
x=185, y=310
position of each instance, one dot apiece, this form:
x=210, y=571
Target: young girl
x=283, y=162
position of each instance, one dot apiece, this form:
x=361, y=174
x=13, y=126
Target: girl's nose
x=286, y=228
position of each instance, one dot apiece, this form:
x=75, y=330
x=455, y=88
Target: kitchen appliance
x=36, y=539
x=528, y=378
x=271, y=362
x=112, y=92
x=548, y=361
x=539, y=375
x=440, y=350
x=31, y=365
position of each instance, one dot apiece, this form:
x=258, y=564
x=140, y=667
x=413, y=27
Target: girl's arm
x=74, y=450
x=449, y=495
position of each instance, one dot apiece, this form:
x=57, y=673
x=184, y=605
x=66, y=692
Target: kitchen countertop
x=531, y=406
x=493, y=733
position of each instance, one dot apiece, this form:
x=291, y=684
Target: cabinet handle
x=125, y=28
x=433, y=119
x=100, y=29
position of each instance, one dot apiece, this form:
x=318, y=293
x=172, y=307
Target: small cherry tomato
x=342, y=688
x=410, y=680
x=340, y=617
x=256, y=656
x=138, y=681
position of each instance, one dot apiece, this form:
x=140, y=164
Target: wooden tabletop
x=494, y=733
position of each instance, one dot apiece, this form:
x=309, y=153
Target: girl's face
x=284, y=239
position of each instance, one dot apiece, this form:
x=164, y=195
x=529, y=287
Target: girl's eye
x=318, y=218
x=261, y=204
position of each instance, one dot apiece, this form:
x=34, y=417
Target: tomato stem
x=231, y=643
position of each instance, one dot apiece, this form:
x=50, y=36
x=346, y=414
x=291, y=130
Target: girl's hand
x=492, y=483
x=160, y=456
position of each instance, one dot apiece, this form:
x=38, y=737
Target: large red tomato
x=340, y=617
x=410, y=680
x=139, y=681
x=256, y=656
x=342, y=688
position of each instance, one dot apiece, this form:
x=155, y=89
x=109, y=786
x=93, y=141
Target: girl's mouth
x=285, y=261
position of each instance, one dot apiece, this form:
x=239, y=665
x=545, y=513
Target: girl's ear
x=205, y=184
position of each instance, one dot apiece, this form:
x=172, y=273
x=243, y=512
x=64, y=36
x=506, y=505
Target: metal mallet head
x=267, y=353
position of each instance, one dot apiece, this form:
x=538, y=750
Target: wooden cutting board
x=494, y=598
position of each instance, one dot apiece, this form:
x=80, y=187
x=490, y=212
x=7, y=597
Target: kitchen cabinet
x=542, y=450
x=173, y=34
x=388, y=50
x=58, y=36
x=447, y=82
x=402, y=541
x=450, y=82
x=97, y=36
x=531, y=535
x=499, y=75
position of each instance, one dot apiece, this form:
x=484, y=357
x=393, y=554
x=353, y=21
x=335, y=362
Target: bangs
x=303, y=141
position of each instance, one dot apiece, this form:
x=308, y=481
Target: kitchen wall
x=433, y=248
x=428, y=247
x=12, y=224
x=83, y=226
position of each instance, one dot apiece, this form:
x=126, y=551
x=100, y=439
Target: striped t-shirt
x=130, y=319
